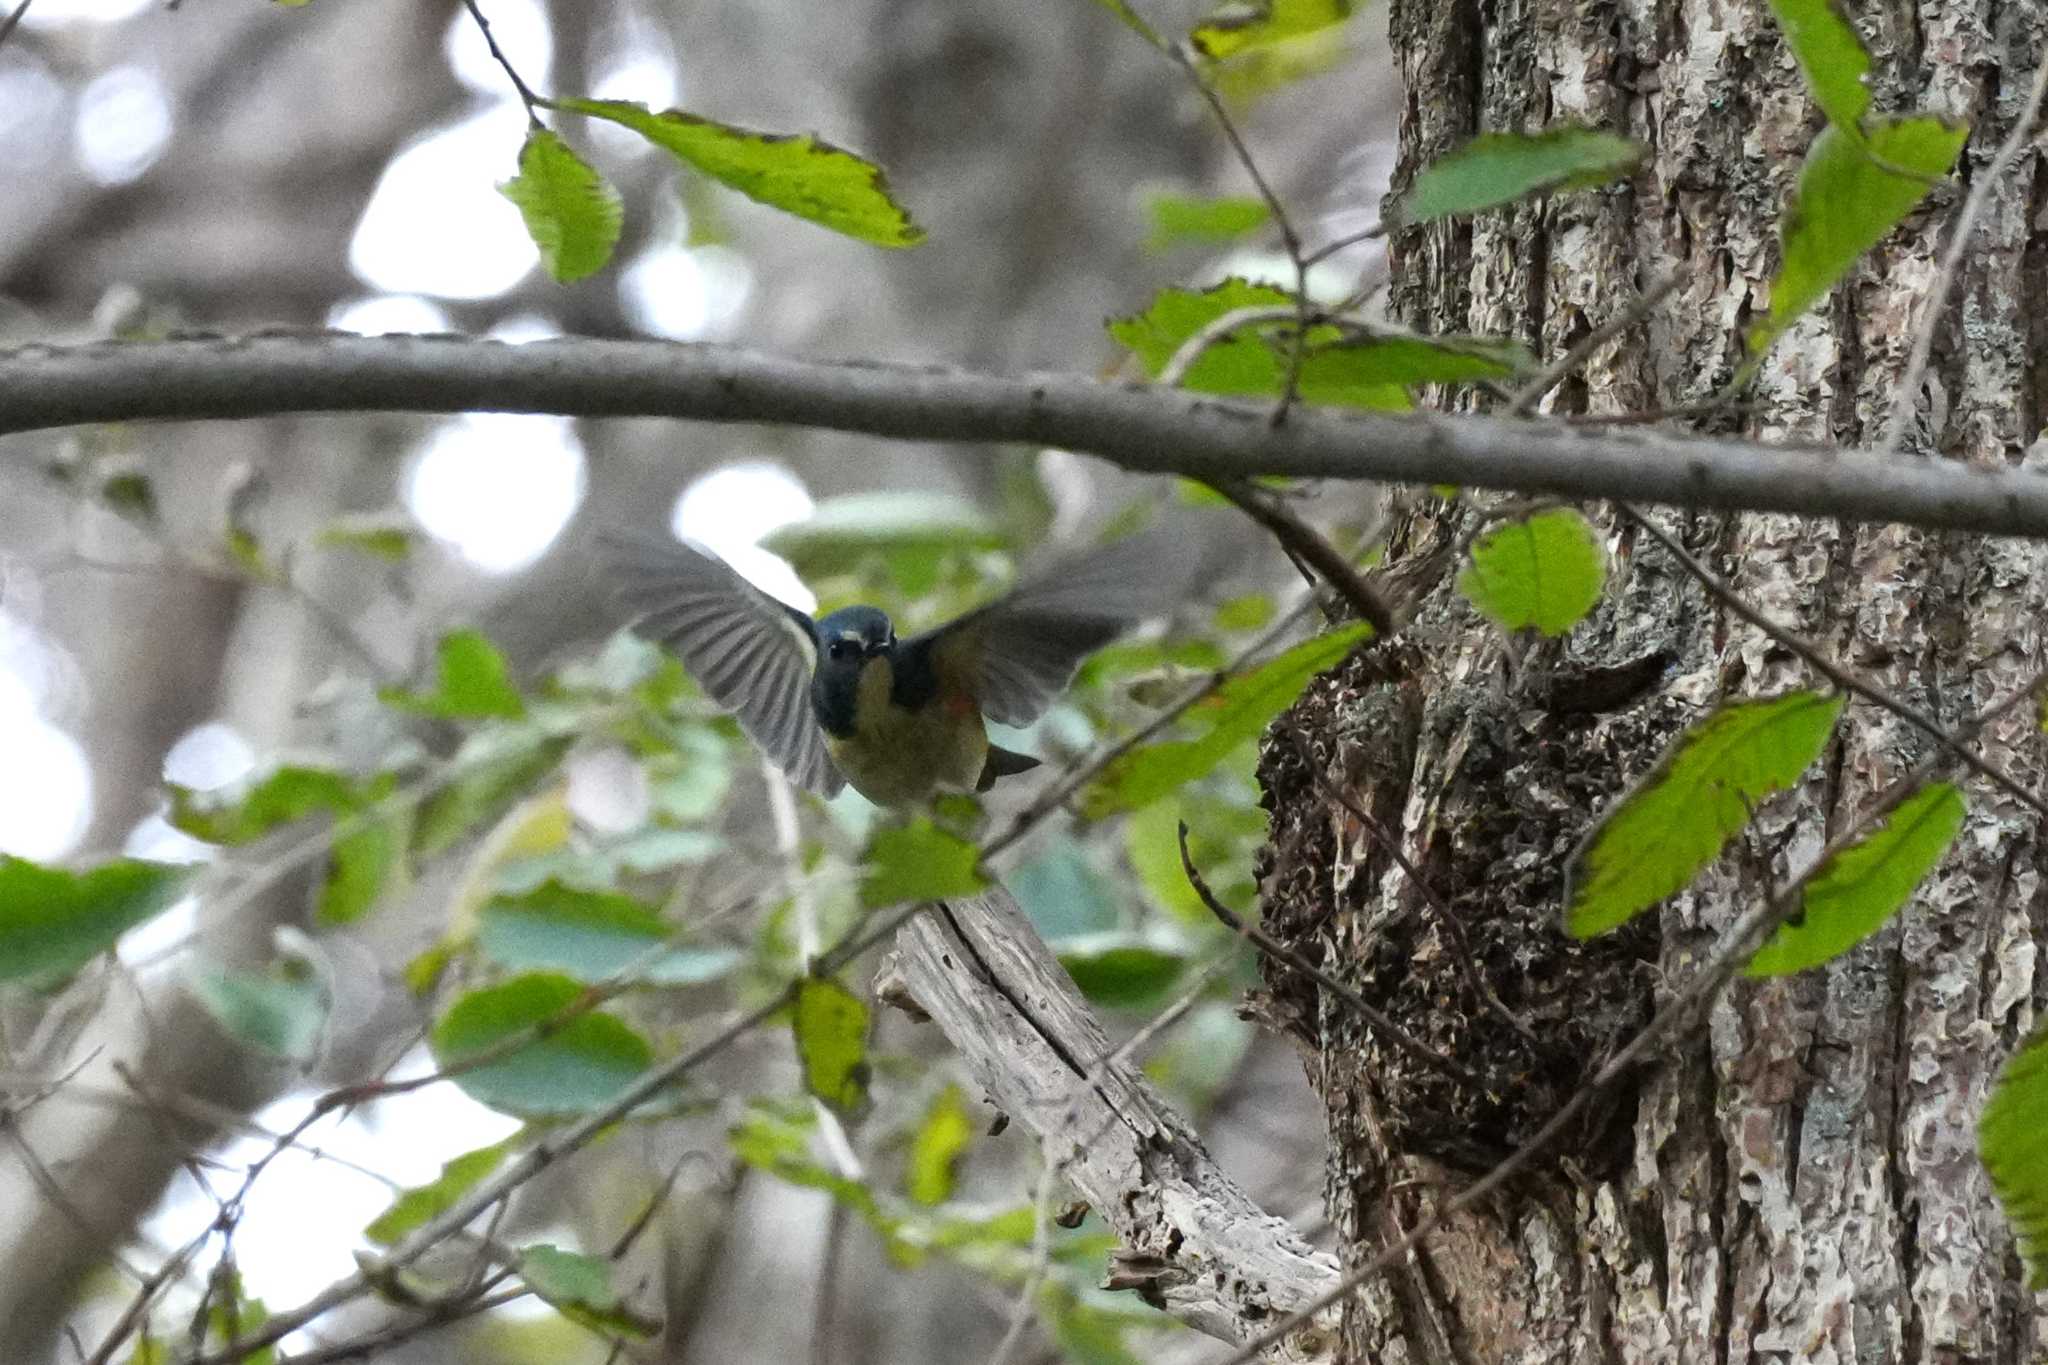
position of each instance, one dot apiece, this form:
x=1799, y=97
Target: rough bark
x=1800, y=1182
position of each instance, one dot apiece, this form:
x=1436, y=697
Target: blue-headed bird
x=843, y=700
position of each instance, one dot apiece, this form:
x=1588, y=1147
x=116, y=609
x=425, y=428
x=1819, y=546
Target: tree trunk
x=1799, y=1181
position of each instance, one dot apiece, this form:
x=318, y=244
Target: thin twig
x=1299, y=538
x=1365, y=1009
x=1845, y=678
x=1329, y=249
x=1907, y=400
x=7, y=24
x=526, y=95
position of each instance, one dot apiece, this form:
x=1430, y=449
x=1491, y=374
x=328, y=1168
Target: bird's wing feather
x=1019, y=652
x=751, y=653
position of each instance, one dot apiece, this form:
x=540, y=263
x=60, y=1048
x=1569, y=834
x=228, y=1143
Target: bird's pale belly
x=896, y=756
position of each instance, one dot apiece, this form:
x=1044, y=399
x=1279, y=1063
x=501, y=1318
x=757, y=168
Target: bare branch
x=1140, y=427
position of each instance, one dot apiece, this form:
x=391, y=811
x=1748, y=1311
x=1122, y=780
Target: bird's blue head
x=847, y=639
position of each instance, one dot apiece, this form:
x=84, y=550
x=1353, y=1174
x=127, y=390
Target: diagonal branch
x=1139, y=427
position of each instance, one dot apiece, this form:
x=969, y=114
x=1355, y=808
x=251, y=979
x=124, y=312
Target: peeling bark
x=1801, y=1182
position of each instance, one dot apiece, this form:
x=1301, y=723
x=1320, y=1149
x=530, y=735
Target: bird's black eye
x=843, y=649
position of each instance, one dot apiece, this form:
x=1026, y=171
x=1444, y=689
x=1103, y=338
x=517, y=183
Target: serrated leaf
x=1846, y=203
x=52, y=922
x=571, y=212
x=1655, y=840
x=1541, y=573
x=797, y=173
x=580, y=1287
x=1861, y=887
x=1499, y=168
x=422, y=1204
x=1238, y=711
x=1180, y=218
x=280, y=1009
x=919, y=862
x=471, y=683
x=830, y=1023
x=2012, y=1142
x=592, y=936
x=572, y=1067
x=942, y=1138
x=1244, y=25
x=1120, y=969
x=1831, y=56
x=1247, y=362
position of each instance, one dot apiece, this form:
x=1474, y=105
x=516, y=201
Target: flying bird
x=843, y=700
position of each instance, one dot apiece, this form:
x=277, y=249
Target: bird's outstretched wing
x=752, y=654
x=1019, y=652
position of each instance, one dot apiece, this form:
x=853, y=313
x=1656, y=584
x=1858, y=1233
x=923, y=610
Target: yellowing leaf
x=797, y=173
x=941, y=1139
x=1850, y=898
x=1243, y=25
x=831, y=1027
x=1656, y=839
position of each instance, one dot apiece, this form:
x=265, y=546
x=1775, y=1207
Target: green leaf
x=831, y=1027
x=1846, y=203
x=1831, y=55
x=1242, y=25
x=360, y=865
x=919, y=862
x=581, y=1288
x=2012, y=1141
x=1851, y=897
x=389, y=536
x=1377, y=361
x=1238, y=711
x=1654, y=840
x=471, y=683
x=898, y=527
x=280, y=1009
x=592, y=936
x=1120, y=969
x=1541, y=573
x=486, y=787
x=53, y=922
x=1247, y=362
x=799, y=174
x=422, y=1204
x=1181, y=218
x=1499, y=168
x=571, y=213
x=1249, y=612
x=572, y=1067
x=942, y=1137
x=1134, y=22
x=285, y=795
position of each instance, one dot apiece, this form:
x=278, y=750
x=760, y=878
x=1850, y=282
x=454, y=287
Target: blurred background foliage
x=359, y=678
